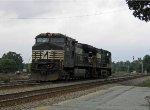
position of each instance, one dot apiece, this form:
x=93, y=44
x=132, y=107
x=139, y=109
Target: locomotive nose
x=47, y=51
x=47, y=46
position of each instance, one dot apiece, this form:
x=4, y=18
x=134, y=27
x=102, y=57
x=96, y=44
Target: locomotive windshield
x=57, y=41
x=42, y=40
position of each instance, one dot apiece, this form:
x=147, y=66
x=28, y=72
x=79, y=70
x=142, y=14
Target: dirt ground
x=12, y=76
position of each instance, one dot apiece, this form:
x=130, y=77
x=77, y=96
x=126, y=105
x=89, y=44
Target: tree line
x=140, y=65
x=11, y=62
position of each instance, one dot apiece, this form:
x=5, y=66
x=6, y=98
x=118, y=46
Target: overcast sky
x=106, y=24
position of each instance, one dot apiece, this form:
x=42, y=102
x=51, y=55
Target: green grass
x=146, y=83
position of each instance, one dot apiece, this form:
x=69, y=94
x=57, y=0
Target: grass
x=146, y=83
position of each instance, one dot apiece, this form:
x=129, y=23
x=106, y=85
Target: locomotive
x=56, y=56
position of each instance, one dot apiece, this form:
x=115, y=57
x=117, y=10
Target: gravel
x=73, y=95
x=51, y=101
x=41, y=86
x=135, y=82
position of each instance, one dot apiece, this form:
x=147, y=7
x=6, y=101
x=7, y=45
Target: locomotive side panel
x=69, y=53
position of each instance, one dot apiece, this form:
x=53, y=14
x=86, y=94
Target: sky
x=106, y=24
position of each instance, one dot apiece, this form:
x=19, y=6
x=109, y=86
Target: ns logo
x=45, y=55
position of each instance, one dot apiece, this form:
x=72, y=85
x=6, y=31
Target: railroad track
x=17, y=84
x=36, y=95
x=29, y=83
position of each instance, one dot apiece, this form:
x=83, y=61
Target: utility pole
x=141, y=62
x=142, y=65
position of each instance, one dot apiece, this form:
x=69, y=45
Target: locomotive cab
x=57, y=39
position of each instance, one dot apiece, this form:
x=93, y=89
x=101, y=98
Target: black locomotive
x=56, y=56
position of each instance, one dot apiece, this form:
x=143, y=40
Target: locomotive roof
x=85, y=46
x=47, y=35
x=93, y=48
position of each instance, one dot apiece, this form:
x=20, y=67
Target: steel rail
x=17, y=85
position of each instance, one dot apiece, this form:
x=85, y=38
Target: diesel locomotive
x=56, y=56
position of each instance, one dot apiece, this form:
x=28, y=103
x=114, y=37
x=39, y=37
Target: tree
x=127, y=66
x=120, y=66
x=141, y=9
x=135, y=66
x=146, y=63
x=8, y=65
x=14, y=60
x=27, y=66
